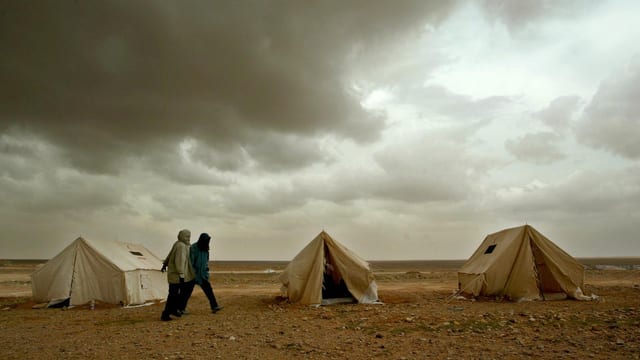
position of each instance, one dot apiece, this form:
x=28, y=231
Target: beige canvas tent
x=107, y=271
x=326, y=269
x=521, y=264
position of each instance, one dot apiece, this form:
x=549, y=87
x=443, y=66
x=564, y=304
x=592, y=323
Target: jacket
x=178, y=262
x=200, y=263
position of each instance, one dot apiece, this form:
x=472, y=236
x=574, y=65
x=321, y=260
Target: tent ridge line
x=73, y=271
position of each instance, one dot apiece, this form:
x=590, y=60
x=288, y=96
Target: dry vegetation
x=419, y=320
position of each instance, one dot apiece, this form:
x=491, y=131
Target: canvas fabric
x=111, y=272
x=524, y=265
x=302, y=278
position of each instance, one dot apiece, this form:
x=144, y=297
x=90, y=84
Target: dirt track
x=419, y=320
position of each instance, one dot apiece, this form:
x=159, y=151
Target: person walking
x=200, y=260
x=179, y=275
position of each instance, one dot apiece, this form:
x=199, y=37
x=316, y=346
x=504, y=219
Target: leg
x=206, y=288
x=185, y=293
x=173, y=300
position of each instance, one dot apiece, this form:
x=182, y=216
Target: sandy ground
x=418, y=320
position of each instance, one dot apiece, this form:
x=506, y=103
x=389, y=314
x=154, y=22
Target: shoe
x=178, y=313
x=183, y=312
x=216, y=309
x=165, y=317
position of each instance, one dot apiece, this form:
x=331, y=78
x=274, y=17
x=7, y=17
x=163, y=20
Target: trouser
x=185, y=293
x=173, y=300
x=206, y=288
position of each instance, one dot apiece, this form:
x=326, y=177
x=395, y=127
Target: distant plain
x=419, y=319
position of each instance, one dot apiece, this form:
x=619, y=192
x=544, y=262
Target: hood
x=203, y=242
x=184, y=236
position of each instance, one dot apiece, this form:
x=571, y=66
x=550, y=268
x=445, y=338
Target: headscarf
x=184, y=236
x=203, y=242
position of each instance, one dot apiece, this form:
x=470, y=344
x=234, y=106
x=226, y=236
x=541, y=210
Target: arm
x=194, y=259
x=165, y=263
x=182, y=260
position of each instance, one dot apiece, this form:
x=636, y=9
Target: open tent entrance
x=325, y=272
x=334, y=289
x=549, y=287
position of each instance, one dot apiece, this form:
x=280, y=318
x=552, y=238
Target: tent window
x=490, y=249
x=136, y=253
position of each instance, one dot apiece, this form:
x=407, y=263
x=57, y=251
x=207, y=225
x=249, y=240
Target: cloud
x=104, y=81
x=434, y=166
x=588, y=213
x=582, y=193
x=393, y=125
x=611, y=121
x=538, y=148
x=417, y=167
x=559, y=114
x=20, y=156
x=275, y=152
x=421, y=167
x=61, y=191
x=545, y=147
x=518, y=15
x=455, y=107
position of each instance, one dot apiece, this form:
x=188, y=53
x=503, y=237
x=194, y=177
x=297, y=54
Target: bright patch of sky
x=471, y=59
x=567, y=57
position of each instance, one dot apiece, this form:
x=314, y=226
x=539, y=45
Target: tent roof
x=125, y=256
x=494, y=245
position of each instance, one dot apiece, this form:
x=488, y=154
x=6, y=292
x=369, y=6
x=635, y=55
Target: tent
x=325, y=270
x=521, y=264
x=107, y=271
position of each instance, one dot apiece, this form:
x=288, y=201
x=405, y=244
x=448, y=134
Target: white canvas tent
x=326, y=269
x=107, y=271
x=521, y=264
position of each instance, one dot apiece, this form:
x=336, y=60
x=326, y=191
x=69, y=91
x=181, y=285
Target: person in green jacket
x=199, y=255
x=179, y=275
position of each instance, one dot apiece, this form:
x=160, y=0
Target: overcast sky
x=405, y=129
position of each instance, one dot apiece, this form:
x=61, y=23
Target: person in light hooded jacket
x=179, y=275
x=199, y=255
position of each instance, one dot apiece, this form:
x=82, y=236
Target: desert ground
x=419, y=319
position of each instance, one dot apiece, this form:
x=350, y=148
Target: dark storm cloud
x=34, y=179
x=105, y=81
x=232, y=159
x=194, y=162
x=612, y=119
x=17, y=155
x=278, y=152
x=55, y=192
